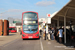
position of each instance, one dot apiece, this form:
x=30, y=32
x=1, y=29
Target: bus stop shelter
x=65, y=16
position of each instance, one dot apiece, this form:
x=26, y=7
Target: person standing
x=43, y=33
x=40, y=31
x=52, y=34
x=49, y=32
x=60, y=33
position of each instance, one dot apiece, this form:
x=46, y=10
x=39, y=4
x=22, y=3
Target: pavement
x=54, y=45
x=15, y=42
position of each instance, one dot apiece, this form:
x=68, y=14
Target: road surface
x=35, y=44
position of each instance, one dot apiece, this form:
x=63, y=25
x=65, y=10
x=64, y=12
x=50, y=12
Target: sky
x=14, y=8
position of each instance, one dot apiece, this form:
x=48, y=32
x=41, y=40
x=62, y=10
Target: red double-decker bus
x=12, y=29
x=30, y=25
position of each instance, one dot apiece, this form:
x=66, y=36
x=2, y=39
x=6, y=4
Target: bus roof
x=30, y=11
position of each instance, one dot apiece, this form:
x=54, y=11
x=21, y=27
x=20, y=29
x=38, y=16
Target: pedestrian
x=55, y=37
x=2, y=33
x=40, y=31
x=52, y=34
x=43, y=33
x=60, y=33
x=49, y=33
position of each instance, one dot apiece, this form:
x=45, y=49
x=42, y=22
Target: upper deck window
x=29, y=16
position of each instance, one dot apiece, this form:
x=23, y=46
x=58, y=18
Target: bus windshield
x=30, y=28
x=11, y=28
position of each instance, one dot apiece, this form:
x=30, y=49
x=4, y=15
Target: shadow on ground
x=11, y=34
x=33, y=39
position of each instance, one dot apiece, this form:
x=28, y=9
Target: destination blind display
x=29, y=22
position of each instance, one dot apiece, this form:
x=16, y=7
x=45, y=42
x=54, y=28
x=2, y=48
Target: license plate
x=30, y=37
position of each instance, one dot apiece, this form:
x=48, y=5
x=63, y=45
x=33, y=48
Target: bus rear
x=30, y=25
x=12, y=29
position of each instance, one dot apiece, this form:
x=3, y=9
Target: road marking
x=41, y=44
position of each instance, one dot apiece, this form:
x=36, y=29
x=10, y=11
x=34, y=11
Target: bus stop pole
x=46, y=30
x=65, y=29
x=65, y=25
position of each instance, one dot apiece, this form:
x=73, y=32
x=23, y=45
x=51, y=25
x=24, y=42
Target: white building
x=42, y=22
x=15, y=23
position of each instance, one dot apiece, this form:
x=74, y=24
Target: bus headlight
x=37, y=34
x=23, y=35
